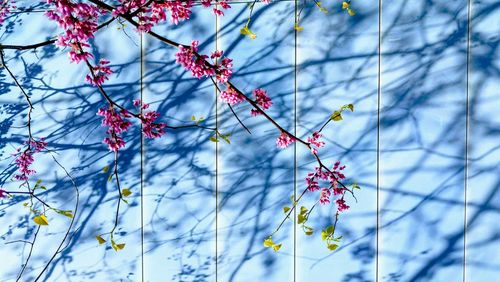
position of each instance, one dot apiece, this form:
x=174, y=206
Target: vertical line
x=467, y=124
x=379, y=97
x=216, y=163
x=296, y=69
x=142, y=157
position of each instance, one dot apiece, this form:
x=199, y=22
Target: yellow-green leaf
x=247, y=32
x=105, y=169
x=301, y=219
x=117, y=247
x=348, y=107
x=126, y=192
x=336, y=116
x=226, y=138
x=330, y=229
x=213, y=139
x=193, y=118
x=41, y=220
x=309, y=232
x=297, y=27
x=67, y=213
x=100, y=239
x=324, y=235
x=303, y=210
x=332, y=247
x=351, y=12
x=286, y=209
x=268, y=242
x=345, y=5
x=277, y=247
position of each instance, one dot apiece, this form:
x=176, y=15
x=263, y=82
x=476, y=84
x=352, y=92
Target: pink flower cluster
x=3, y=193
x=223, y=70
x=224, y=5
x=187, y=58
x=150, y=129
x=314, y=142
x=155, y=11
x=99, y=74
x=26, y=159
x=117, y=124
x=79, y=20
x=332, y=177
x=199, y=67
x=262, y=100
x=5, y=7
x=284, y=140
x=231, y=96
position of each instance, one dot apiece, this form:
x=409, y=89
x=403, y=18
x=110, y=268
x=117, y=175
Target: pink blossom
x=324, y=196
x=341, y=205
x=312, y=184
x=100, y=73
x=79, y=21
x=150, y=129
x=3, y=193
x=266, y=1
x=284, y=140
x=224, y=70
x=26, y=159
x=155, y=12
x=199, y=67
x=116, y=125
x=314, y=141
x=6, y=6
x=262, y=100
x=231, y=96
x=187, y=58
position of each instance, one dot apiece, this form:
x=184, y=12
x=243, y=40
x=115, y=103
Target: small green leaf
x=351, y=12
x=110, y=178
x=247, y=32
x=214, y=139
x=117, y=247
x=193, y=118
x=126, y=192
x=297, y=27
x=226, y=138
x=330, y=229
x=309, y=231
x=348, y=107
x=268, y=242
x=332, y=247
x=301, y=219
x=67, y=213
x=303, y=210
x=105, y=169
x=286, y=209
x=41, y=220
x=336, y=116
x=276, y=247
x=355, y=186
x=345, y=5
x=100, y=239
